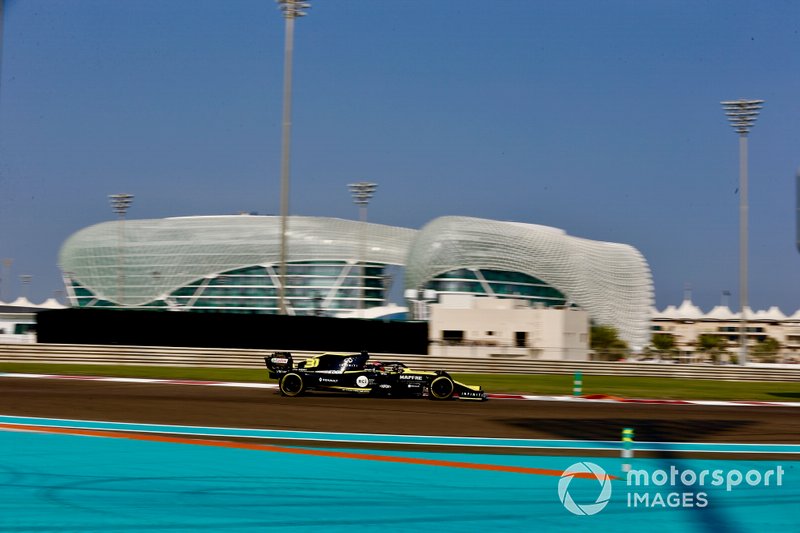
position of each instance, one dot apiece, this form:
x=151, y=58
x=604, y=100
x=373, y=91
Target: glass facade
x=497, y=283
x=313, y=288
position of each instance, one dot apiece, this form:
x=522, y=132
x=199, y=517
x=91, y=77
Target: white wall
x=490, y=327
x=8, y=322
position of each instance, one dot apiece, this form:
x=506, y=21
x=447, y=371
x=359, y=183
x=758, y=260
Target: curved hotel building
x=231, y=264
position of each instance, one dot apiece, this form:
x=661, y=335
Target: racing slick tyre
x=442, y=388
x=292, y=384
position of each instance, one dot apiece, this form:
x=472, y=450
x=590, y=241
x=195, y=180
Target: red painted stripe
x=295, y=451
x=600, y=397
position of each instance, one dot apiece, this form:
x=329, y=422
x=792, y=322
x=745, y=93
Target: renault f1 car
x=354, y=373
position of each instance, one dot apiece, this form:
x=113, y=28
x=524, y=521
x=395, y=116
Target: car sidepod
x=359, y=382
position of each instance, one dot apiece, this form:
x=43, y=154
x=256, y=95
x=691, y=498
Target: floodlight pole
x=362, y=193
x=742, y=114
x=291, y=10
x=120, y=203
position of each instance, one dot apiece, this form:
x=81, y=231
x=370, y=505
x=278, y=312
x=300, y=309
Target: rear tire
x=292, y=384
x=441, y=388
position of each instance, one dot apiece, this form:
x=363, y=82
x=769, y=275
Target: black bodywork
x=356, y=374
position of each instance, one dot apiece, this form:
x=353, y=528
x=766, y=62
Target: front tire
x=442, y=388
x=292, y=384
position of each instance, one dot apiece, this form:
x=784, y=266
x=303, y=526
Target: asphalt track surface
x=256, y=408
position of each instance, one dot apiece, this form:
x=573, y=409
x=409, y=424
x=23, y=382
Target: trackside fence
x=236, y=358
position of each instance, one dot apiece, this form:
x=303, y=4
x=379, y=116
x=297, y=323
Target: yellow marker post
x=627, y=448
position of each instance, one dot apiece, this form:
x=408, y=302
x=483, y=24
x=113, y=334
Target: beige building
x=688, y=322
x=474, y=326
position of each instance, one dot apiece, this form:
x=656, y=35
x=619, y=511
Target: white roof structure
x=689, y=311
x=155, y=257
x=721, y=312
x=52, y=303
x=669, y=313
x=22, y=301
x=773, y=313
x=611, y=281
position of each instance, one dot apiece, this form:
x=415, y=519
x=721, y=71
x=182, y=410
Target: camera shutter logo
x=587, y=509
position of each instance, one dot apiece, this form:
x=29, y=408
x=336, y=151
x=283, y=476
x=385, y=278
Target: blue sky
x=601, y=118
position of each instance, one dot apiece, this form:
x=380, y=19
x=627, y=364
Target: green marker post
x=577, y=384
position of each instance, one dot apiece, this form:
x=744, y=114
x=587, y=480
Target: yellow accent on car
x=422, y=372
x=476, y=388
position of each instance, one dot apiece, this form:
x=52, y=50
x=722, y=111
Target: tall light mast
x=742, y=114
x=291, y=10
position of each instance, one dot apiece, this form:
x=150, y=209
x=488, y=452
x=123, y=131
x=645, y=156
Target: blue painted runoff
x=66, y=483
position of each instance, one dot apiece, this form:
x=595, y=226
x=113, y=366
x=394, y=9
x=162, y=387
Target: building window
x=452, y=336
x=521, y=339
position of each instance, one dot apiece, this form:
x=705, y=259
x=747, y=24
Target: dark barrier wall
x=226, y=330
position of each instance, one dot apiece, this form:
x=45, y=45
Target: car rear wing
x=279, y=363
